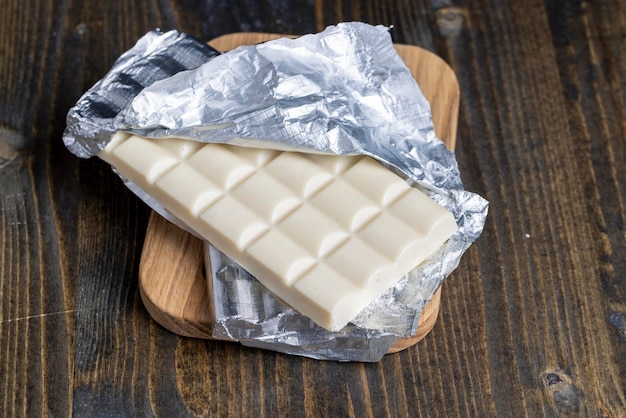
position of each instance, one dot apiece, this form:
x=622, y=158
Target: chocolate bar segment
x=327, y=234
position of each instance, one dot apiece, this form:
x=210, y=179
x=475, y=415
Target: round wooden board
x=172, y=283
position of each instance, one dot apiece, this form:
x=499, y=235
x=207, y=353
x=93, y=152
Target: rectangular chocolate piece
x=327, y=234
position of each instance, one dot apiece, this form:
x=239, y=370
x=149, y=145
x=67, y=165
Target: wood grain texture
x=171, y=280
x=533, y=322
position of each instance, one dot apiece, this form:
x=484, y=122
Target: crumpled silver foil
x=154, y=57
x=342, y=91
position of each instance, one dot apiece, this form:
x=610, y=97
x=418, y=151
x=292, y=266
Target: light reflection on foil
x=343, y=91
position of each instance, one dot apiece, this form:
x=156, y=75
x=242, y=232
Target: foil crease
x=342, y=91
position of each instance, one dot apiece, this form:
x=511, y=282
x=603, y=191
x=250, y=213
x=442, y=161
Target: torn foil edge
x=298, y=116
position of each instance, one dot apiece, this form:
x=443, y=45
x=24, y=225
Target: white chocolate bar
x=326, y=234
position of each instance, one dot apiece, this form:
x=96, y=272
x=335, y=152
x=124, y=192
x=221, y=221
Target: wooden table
x=533, y=322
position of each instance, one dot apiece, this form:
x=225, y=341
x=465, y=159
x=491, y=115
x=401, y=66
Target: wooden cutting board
x=172, y=282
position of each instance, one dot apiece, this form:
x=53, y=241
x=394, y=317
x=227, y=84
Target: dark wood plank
x=529, y=147
x=533, y=322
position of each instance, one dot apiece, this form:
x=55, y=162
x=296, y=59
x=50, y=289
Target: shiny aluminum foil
x=154, y=57
x=342, y=91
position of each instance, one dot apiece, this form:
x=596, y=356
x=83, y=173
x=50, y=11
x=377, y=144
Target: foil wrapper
x=155, y=56
x=342, y=91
